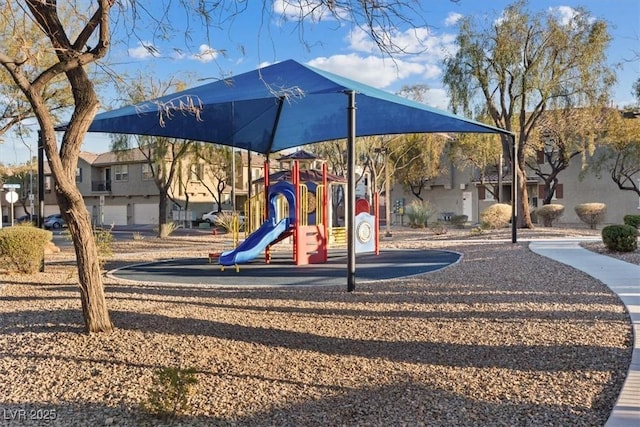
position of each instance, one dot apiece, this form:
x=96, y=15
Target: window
x=485, y=192
x=78, y=174
x=196, y=172
x=147, y=172
x=121, y=172
x=558, y=193
x=488, y=195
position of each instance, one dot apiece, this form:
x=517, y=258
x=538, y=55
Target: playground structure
x=301, y=212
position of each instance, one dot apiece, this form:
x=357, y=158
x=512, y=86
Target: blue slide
x=255, y=242
x=268, y=232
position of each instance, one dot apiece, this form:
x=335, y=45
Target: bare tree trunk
x=163, y=230
x=524, y=216
x=94, y=307
x=63, y=165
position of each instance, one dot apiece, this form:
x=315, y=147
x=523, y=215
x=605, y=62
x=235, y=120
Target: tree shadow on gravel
x=402, y=403
x=393, y=404
x=332, y=312
x=539, y=357
x=41, y=321
x=416, y=404
x=419, y=290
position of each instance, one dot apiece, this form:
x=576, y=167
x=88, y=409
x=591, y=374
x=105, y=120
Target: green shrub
x=496, y=216
x=22, y=248
x=620, y=238
x=419, y=213
x=458, y=221
x=171, y=391
x=591, y=214
x=549, y=213
x=632, y=220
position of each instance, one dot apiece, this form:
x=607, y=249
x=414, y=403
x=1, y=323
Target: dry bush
x=496, y=216
x=549, y=213
x=591, y=213
x=22, y=248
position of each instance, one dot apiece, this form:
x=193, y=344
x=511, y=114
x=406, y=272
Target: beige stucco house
x=120, y=189
x=459, y=192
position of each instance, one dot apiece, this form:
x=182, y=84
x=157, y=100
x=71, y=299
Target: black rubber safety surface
x=389, y=264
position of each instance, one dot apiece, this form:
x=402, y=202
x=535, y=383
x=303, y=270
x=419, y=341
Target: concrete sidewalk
x=624, y=279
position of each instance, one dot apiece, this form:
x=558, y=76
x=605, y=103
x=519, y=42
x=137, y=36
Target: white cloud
x=361, y=41
x=144, y=50
x=437, y=98
x=452, y=18
x=374, y=71
x=414, y=42
x=297, y=10
x=564, y=14
x=205, y=54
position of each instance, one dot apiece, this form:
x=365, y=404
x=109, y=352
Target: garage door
x=51, y=210
x=116, y=215
x=145, y=213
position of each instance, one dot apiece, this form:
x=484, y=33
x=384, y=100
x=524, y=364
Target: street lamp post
x=30, y=183
x=233, y=179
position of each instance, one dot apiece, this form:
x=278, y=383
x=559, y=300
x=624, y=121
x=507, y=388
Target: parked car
x=212, y=217
x=55, y=222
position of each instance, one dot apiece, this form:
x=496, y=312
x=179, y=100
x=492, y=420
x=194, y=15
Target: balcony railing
x=101, y=186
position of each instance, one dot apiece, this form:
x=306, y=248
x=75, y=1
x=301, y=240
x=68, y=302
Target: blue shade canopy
x=278, y=107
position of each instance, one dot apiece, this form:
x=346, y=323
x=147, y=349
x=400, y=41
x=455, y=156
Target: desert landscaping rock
x=504, y=337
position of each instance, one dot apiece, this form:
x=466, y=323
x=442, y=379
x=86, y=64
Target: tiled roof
x=299, y=155
x=492, y=178
x=133, y=155
x=305, y=175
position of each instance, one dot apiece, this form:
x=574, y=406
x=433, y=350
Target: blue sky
x=255, y=38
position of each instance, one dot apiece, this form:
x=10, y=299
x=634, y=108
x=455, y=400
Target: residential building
x=119, y=188
x=461, y=192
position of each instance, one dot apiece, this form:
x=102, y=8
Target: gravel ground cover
x=504, y=337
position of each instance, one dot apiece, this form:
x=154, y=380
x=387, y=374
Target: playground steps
x=311, y=245
x=337, y=236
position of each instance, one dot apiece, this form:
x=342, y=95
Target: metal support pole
x=514, y=190
x=500, y=163
x=41, y=188
x=250, y=188
x=387, y=194
x=351, y=190
x=233, y=179
x=40, y=180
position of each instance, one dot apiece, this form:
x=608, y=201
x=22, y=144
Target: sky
x=256, y=37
